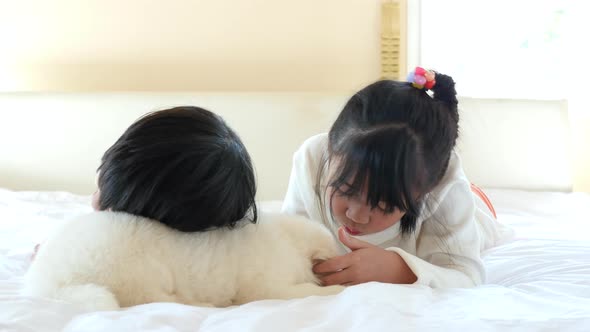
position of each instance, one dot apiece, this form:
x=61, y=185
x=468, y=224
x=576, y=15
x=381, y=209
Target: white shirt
x=452, y=229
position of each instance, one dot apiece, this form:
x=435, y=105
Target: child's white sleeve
x=301, y=197
x=294, y=203
x=448, y=244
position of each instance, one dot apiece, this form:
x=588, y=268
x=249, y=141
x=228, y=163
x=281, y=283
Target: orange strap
x=484, y=198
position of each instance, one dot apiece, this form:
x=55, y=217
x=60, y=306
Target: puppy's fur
x=107, y=260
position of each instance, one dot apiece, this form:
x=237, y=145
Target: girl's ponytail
x=442, y=85
x=444, y=90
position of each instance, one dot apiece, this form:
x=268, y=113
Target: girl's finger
x=332, y=265
x=338, y=278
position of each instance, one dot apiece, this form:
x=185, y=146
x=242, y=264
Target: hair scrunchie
x=422, y=78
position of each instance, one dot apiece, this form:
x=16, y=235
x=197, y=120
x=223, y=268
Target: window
x=498, y=49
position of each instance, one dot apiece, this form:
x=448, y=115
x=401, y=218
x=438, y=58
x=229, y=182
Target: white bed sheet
x=539, y=282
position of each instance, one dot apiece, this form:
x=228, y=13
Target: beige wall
x=209, y=45
x=237, y=45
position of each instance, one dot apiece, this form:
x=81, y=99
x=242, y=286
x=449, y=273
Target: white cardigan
x=453, y=228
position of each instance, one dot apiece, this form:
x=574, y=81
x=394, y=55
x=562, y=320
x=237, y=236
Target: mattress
x=540, y=281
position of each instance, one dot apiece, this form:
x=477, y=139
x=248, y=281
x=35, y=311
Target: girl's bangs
x=387, y=175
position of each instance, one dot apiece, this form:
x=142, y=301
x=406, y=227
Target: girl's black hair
x=183, y=167
x=394, y=141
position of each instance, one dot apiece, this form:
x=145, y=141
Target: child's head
x=389, y=147
x=183, y=167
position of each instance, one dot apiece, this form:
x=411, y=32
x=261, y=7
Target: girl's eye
x=382, y=208
x=339, y=193
x=344, y=191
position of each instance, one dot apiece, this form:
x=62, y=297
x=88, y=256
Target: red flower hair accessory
x=422, y=78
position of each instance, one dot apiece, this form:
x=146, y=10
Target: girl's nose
x=358, y=212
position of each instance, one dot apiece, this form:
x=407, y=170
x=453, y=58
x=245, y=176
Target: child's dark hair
x=183, y=167
x=395, y=141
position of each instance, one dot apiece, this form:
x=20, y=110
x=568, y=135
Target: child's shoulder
x=308, y=158
x=454, y=183
x=317, y=139
x=314, y=145
x=454, y=173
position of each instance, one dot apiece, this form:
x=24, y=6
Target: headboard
x=54, y=141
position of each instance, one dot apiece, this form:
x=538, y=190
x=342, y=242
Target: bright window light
x=499, y=49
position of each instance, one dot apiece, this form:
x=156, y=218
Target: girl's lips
x=351, y=231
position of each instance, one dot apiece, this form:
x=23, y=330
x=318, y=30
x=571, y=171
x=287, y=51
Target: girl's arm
x=448, y=244
x=294, y=203
x=301, y=198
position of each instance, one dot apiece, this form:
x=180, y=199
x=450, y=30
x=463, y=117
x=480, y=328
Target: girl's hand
x=365, y=263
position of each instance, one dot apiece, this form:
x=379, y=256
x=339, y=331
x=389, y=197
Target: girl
x=387, y=181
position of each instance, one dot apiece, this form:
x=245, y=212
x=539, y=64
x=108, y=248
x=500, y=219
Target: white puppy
x=107, y=260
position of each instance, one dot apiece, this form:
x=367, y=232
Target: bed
x=540, y=281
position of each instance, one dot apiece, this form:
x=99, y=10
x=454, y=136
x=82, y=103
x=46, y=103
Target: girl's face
x=357, y=217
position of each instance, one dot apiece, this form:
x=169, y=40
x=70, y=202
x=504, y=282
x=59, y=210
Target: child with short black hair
x=177, y=222
x=183, y=167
